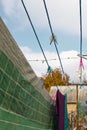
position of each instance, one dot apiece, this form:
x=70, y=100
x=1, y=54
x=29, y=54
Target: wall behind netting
x=22, y=107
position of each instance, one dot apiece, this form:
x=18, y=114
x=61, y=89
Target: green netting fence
x=22, y=107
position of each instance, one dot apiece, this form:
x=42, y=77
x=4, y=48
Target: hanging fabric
x=61, y=121
x=60, y=110
x=66, y=120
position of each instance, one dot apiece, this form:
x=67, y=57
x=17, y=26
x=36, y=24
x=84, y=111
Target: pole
x=77, y=114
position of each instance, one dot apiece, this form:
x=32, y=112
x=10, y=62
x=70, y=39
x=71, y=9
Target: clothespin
x=53, y=39
x=49, y=70
x=81, y=64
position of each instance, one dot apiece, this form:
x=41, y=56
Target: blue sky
x=66, y=31
x=64, y=16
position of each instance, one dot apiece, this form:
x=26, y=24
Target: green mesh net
x=22, y=107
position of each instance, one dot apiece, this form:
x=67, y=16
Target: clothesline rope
x=53, y=36
x=49, y=68
x=34, y=32
x=54, y=59
x=81, y=61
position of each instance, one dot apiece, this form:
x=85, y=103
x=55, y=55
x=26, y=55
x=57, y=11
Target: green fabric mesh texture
x=22, y=107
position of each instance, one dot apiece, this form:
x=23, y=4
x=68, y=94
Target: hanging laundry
x=60, y=110
x=66, y=120
x=61, y=121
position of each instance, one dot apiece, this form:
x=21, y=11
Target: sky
x=65, y=21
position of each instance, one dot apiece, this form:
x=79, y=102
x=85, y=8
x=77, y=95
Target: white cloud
x=15, y=14
x=69, y=54
x=8, y=6
x=64, y=14
x=69, y=59
x=25, y=49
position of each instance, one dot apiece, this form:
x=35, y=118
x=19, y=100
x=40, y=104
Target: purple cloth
x=60, y=109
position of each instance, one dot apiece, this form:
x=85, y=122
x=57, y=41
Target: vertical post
x=77, y=114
